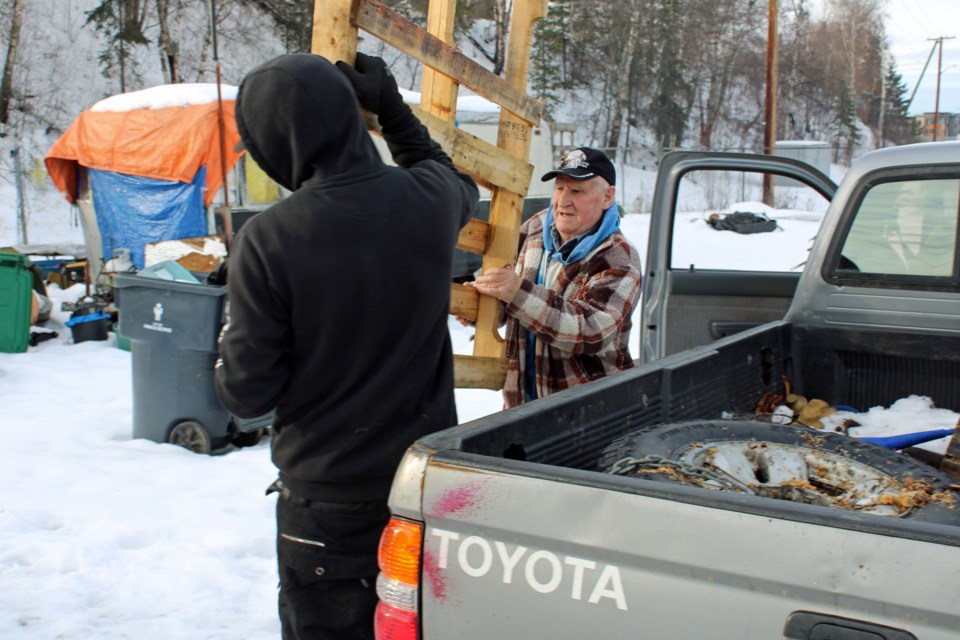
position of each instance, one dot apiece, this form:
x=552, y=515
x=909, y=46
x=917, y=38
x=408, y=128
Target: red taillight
x=398, y=584
x=391, y=623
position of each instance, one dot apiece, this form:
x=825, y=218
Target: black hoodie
x=339, y=294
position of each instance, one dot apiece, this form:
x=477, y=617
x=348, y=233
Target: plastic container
x=89, y=322
x=173, y=329
x=50, y=265
x=89, y=327
x=16, y=286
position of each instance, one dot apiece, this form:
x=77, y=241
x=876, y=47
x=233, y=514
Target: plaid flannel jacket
x=581, y=323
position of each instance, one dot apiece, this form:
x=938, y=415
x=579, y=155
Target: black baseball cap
x=584, y=163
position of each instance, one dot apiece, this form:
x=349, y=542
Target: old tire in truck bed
x=786, y=462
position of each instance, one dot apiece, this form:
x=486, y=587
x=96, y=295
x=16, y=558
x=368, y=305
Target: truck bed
x=852, y=367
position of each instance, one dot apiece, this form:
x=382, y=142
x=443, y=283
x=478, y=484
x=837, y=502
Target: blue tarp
x=133, y=211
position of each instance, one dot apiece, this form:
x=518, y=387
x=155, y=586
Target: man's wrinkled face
x=579, y=204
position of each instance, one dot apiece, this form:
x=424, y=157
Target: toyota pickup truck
x=658, y=503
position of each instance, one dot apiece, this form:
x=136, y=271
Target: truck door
x=720, y=260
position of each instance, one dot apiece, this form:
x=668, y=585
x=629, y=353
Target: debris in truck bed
x=907, y=415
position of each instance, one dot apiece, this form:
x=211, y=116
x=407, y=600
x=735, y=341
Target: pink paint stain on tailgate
x=438, y=582
x=464, y=500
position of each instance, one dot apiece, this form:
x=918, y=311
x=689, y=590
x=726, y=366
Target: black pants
x=327, y=561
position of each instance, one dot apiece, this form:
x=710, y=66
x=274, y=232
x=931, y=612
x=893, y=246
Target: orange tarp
x=166, y=144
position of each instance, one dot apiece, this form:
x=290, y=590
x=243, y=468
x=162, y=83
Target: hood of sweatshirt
x=300, y=121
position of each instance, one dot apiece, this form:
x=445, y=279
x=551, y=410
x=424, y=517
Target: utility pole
x=883, y=93
x=21, y=208
x=770, y=99
x=920, y=79
x=936, y=107
x=224, y=211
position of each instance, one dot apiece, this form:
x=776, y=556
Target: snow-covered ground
x=105, y=537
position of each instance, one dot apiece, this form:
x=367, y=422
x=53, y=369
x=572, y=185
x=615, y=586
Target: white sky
x=911, y=25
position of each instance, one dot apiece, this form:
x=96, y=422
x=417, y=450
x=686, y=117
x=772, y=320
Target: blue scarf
x=586, y=243
x=609, y=224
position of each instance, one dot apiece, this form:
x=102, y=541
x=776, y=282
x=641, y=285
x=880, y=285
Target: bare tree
x=718, y=37
x=6, y=84
x=491, y=44
x=167, y=45
x=619, y=117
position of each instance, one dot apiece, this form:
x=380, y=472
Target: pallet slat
x=474, y=237
x=381, y=21
x=464, y=301
x=438, y=92
x=488, y=164
x=472, y=372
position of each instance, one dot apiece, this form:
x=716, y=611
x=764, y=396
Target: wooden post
x=506, y=208
x=334, y=35
x=438, y=92
x=770, y=98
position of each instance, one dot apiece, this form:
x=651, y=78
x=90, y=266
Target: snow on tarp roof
x=164, y=96
x=165, y=133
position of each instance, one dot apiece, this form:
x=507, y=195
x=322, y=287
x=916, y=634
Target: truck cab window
x=905, y=228
x=725, y=210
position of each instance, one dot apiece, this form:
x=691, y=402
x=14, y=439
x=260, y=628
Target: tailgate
x=517, y=556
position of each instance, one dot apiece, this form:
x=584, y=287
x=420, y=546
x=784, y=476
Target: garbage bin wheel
x=192, y=435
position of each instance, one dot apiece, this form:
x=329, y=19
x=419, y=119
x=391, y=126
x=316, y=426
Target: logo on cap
x=575, y=159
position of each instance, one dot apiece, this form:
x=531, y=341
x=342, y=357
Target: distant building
x=948, y=126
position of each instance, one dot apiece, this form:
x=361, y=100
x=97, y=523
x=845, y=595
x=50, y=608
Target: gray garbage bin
x=173, y=329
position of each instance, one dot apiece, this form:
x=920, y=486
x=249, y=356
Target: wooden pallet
x=503, y=168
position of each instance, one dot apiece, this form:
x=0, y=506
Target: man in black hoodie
x=339, y=298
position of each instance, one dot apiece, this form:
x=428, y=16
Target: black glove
x=375, y=86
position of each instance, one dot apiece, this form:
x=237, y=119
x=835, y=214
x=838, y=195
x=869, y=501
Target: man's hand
x=500, y=283
x=375, y=86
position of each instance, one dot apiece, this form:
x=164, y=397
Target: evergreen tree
x=667, y=109
x=847, y=131
x=548, y=62
x=292, y=21
x=898, y=125
x=121, y=23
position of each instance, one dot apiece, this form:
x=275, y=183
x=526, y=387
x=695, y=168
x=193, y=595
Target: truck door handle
x=723, y=328
x=808, y=625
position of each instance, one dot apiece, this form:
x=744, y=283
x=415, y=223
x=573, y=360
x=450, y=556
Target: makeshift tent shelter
x=143, y=166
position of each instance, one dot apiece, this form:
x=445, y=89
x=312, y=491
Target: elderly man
x=576, y=284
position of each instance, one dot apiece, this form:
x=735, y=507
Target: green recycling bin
x=16, y=289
